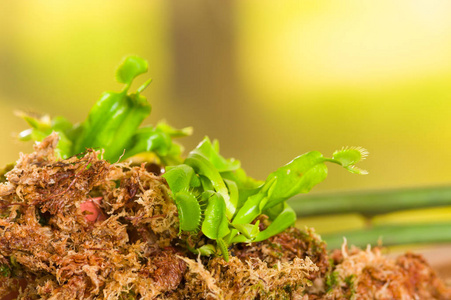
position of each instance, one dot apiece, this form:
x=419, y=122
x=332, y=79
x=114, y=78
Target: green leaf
x=180, y=178
x=284, y=220
x=189, y=210
x=215, y=224
x=298, y=176
x=211, y=153
x=204, y=167
x=254, y=205
x=251, y=209
x=206, y=184
x=174, y=132
x=246, y=185
x=130, y=68
x=243, y=181
x=206, y=250
x=43, y=126
x=159, y=141
x=61, y=124
x=112, y=122
x=250, y=231
x=148, y=139
x=42, y=123
x=233, y=192
x=274, y=211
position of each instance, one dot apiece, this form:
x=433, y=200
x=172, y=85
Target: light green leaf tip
x=42, y=123
x=349, y=156
x=130, y=68
x=356, y=170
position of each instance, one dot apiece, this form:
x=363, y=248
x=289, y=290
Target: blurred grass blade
x=371, y=203
x=392, y=235
x=414, y=216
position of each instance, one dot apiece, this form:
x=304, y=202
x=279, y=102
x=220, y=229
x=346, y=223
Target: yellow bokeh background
x=269, y=79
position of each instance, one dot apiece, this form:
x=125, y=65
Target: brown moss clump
x=51, y=249
x=368, y=274
x=285, y=247
x=46, y=238
x=252, y=279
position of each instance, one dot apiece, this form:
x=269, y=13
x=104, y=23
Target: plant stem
x=392, y=235
x=371, y=203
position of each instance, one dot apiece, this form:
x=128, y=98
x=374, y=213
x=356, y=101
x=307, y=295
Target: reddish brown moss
x=286, y=246
x=49, y=250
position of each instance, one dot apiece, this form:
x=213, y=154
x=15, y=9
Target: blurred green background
x=270, y=80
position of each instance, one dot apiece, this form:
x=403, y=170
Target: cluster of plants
x=213, y=194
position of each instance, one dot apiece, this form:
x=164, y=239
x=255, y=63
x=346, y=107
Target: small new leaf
x=130, y=68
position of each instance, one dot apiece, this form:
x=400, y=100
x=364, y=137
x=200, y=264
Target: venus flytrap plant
x=231, y=218
x=212, y=194
x=113, y=124
x=115, y=118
